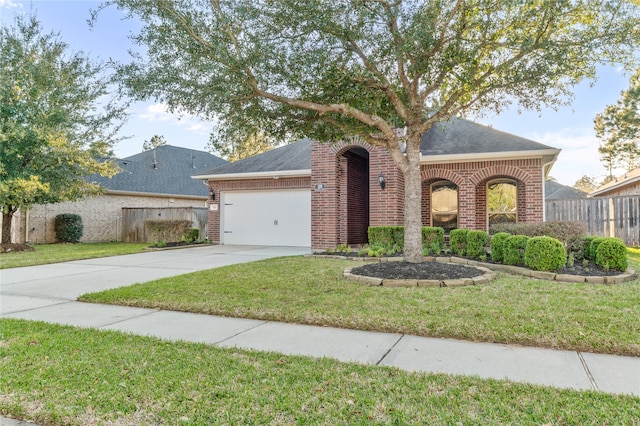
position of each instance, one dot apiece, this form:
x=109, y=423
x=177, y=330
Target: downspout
x=544, y=195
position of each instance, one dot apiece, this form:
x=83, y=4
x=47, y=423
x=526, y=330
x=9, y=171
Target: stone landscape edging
x=626, y=276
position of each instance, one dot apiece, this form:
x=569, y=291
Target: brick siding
x=101, y=216
x=346, y=197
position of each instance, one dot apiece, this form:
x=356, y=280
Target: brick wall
x=342, y=178
x=219, y=186
x=101, y=216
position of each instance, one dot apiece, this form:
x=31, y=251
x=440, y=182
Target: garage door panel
x=267, y=218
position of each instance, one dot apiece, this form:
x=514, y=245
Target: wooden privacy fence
x=133, y=228
x=605, y=217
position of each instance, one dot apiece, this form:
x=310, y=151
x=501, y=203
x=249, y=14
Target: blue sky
x=570, y=128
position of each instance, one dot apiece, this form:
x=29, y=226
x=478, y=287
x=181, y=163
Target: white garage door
x=278, y=218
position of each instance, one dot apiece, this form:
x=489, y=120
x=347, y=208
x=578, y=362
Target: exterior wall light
x=381, y=181
x=212, y=194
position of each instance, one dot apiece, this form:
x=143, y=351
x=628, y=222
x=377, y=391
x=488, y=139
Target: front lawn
x=59, y=375
x=511, y=309
x=55, y=253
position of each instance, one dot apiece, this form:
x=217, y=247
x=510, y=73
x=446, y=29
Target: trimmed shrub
x=476, y=242
x=167, y=230
x=432, y=239
x=497, y=244
x=389, y=237
x=612, y=254
x=514, y=249
x=544, y=254
x=458, y=241
x=593, y=247
x=192, y=235
x=68, y=227
x=586, y=244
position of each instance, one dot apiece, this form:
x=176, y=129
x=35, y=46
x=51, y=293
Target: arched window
x=502, y=201
x=444, y=205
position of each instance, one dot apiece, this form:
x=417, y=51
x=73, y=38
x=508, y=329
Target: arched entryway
x=353, y=195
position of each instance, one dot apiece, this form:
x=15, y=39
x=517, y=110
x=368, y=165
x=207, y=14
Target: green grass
x=511, y=309
x=59, y=375
x=55, y=253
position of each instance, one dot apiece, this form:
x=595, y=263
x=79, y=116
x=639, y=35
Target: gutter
x=487, y=156
x=155, y=194
x=272, y=174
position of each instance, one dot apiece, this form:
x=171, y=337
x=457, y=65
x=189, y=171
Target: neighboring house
x=321, y=195
x=556, y=191
x=627, y=184
x=158, y=178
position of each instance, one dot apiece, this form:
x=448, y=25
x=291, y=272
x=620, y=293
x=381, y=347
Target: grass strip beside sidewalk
x=63, y=375
x=511, y=309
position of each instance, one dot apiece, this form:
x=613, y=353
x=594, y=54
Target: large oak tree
x=331, y=69
x=56, y=121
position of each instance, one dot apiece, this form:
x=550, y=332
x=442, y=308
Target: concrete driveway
x=35, y=287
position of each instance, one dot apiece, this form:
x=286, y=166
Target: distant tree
x=154, y=142
x=585, y=184
x=242, y=146
x=56, y=126
x=336, y=69
x=618, y=127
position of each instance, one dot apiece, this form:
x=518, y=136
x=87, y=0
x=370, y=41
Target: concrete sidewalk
x=48, y=293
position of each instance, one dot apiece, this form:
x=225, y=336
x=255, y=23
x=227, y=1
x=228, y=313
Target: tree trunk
x=413, y=204
x=7, y=217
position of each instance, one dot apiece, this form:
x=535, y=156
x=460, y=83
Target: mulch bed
x=417, y=271
x=448, y=271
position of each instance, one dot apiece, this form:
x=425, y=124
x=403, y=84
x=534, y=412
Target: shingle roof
x=461, y=136
x=557, y=191
x=171, y=174
x=455, y=137
x=619, y=182
x=294, y=156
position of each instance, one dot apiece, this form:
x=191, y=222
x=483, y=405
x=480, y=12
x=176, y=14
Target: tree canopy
x=334, y=69
x=56, y=124
x=618, y=126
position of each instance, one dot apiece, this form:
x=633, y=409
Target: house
x=321, y=195
x=556, y=191
x=627, y=184
x=158, y=178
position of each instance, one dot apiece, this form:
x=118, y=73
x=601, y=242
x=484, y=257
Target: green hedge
x=544, y=254
x=611, y=253
x=68, y=227
x=498, y=244
x=458, y=241
x=476, y=242
x=391, y=238
x=432, y=239
x=514, y=249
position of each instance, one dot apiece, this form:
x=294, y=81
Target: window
x=444, y=205
x=502, y=201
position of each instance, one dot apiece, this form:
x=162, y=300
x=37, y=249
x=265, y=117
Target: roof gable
x=556, y=191
x=164, y=170
x=460, y=136
x=294, y=156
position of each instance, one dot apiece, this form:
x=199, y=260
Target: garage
x=273, y=218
